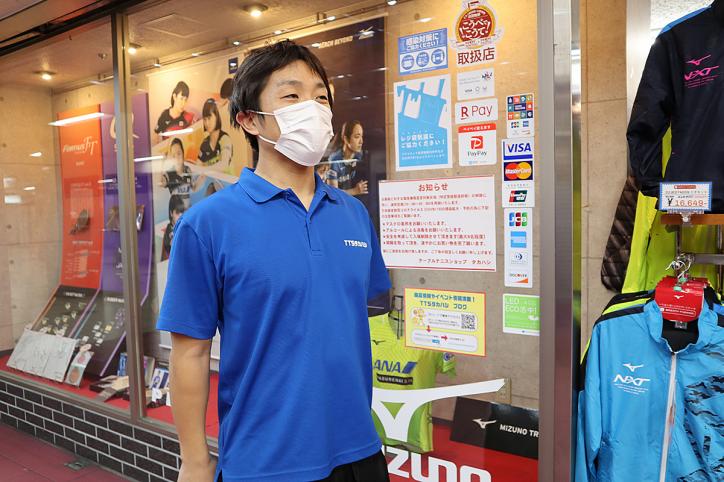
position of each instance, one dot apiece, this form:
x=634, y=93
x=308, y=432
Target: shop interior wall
x=29, y=218
x=603, y=146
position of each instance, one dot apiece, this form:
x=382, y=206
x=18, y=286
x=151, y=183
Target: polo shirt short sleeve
x=287, y=288
x=191, y=300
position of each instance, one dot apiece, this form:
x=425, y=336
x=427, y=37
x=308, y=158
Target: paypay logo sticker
x=477, y=144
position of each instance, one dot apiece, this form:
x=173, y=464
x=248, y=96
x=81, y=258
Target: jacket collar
x=708, y=323
x=261, y=190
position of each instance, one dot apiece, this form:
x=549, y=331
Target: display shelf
x=695, y=220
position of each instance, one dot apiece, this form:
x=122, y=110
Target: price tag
x=685, y=196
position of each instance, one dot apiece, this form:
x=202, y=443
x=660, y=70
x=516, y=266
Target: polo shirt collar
x=261, y=190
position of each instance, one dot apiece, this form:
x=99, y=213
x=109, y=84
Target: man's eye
x=323, y=98
x=291, y=96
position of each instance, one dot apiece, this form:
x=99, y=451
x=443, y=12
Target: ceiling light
x=157, y=63
x=179, y=132
x=391, y=2
x=76, y=119
x=330, y=18
x=278, y=32
x=45, y=74
x=133, y=48
x=316, y=45
x=236, y=43
x=29, y=188
x=195, y=54
x=425, y=20
x=255, y=9
x=36, y=154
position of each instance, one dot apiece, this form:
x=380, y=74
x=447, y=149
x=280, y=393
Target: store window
x=60, y=260
x=434, y=116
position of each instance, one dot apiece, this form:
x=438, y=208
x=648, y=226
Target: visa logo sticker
x=518, y=149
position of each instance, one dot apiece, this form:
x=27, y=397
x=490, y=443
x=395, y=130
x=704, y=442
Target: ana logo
x=394, y=367
x=476, y=142
x=515, y=171
x=350, y=243
x=629, y=380
x=518, y=196
x=483, y=425
x=631, y=367
x=516, y=219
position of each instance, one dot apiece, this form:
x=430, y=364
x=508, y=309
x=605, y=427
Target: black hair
x=174, y=142
x=226, y=88
x=344, y=133
x=255, y=70
x=175, y=204
x=210, y=107
x=181, y=88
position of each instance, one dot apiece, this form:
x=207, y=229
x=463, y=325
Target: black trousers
x=371, y=469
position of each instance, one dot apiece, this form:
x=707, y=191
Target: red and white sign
x=446, y=223
x=483, y=110
x=477, y=145
x=476, y=33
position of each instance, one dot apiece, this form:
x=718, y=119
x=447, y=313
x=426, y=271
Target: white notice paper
x=446, y=223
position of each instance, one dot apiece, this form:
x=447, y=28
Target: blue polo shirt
x=288, y=289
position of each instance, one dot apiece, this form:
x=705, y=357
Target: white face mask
x=306, y=129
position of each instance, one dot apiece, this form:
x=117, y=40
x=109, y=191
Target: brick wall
x=137, y=453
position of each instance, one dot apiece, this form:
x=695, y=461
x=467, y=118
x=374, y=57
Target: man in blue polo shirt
x=283, y=265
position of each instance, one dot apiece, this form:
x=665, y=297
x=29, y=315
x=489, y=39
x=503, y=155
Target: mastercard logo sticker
x=518, y=171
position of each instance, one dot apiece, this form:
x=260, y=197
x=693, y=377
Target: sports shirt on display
x=287, y=289
x=397, y=367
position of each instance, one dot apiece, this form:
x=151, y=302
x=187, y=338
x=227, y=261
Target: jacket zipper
x=668, y=421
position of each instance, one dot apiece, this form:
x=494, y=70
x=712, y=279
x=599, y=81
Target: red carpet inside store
x=27, y=459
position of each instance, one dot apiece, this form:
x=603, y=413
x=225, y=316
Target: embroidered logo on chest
x=702, y=72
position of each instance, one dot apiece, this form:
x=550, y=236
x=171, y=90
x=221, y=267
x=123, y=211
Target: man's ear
x=246, y=121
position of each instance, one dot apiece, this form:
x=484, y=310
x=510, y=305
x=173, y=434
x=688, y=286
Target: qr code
x=468, y=321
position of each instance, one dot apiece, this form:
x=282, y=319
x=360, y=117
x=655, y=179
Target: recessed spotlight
x=255, y=9
x=278, y=32
x=45, y=75
x=157, y=63
x=425, y=20
x=391, y=2
x=29, y=188
x=36, y=154
x=331, y=18
x=195, y=54
x=236, y=43
x=316, y=45
x=133, y=48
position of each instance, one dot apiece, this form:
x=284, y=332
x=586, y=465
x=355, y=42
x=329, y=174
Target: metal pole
x=127, y=212
x=559, y=158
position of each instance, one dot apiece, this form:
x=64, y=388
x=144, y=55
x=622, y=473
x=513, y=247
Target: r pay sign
x=477, y=144
x=483, y=110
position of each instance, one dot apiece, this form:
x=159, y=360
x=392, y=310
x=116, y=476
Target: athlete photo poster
x=354, y=58
x=197, y=152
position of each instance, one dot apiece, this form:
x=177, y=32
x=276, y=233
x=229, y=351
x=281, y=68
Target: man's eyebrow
x=289, y=82
x=295, y=82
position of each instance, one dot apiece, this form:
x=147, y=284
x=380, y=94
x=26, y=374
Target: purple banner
x=111, y=280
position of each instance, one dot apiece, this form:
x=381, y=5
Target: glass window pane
x=60, y=250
